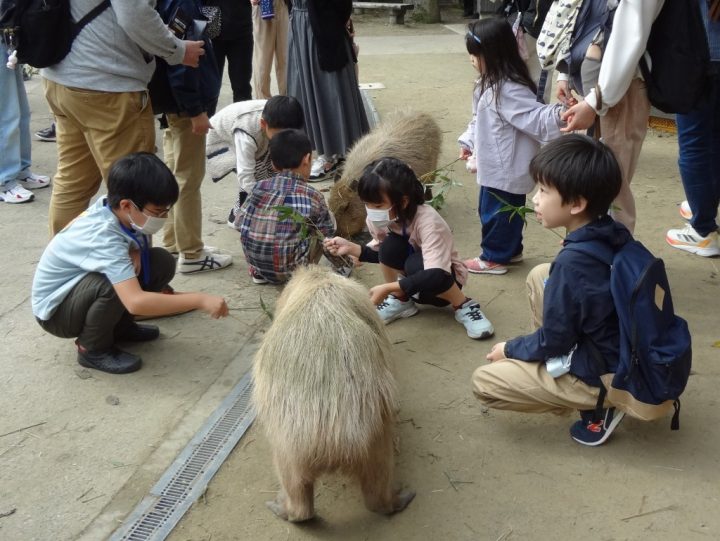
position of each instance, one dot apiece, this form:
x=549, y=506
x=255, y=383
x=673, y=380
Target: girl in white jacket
x=505, y=132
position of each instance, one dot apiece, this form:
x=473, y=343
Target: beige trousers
x=623, y=130
x=94, y=129
x=271, y=39
x=185, y=156
x=523, y=386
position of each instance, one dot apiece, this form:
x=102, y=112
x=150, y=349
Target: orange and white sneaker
x=480, y=266
x=691, y=241
x=685, y=211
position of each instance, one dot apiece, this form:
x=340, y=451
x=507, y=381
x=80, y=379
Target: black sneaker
x=588, y=431
x=112, y=361
x=138, y=333
x=48, y=134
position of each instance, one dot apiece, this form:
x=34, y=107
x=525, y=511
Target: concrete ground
x=79, y=449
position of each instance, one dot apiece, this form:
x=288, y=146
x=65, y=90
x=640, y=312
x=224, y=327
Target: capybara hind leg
x=294, y=502
x=376, y=479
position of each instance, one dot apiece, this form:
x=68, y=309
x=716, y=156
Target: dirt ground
x=489, y=475
x=479, y=474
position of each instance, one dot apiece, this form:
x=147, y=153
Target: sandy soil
x=483, y=474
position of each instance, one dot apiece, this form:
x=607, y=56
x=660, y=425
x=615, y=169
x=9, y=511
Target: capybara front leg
x=294, y=502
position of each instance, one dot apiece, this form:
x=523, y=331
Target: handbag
x=214, y=18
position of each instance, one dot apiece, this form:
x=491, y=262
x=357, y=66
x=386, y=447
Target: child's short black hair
x=288, y=148
x=579, y=166
x=284, y=112
x=395, y=179
x=143, y=178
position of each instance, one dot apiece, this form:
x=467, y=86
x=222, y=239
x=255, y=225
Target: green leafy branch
x=309, y=230
x=440, y=182
x=520, y=211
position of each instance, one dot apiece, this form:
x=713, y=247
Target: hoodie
x=578, y=307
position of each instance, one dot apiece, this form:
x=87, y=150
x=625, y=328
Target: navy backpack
x=655, y=345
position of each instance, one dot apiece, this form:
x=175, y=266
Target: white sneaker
x=323, y=166
x=691, y=241
x=207, y=261
x=685, y=211
x=393, y=308
x=16, y=194
x=476, y=324
x=31, y=181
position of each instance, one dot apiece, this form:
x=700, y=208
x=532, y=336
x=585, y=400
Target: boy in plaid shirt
x=274, y=247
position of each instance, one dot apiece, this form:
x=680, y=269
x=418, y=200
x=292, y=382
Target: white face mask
x=152, y=225
x=380, y=218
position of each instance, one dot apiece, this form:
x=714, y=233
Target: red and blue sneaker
x=589, y=431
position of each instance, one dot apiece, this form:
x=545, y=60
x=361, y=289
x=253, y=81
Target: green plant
x=309, y=230
x=440, y=182
x=521, y=211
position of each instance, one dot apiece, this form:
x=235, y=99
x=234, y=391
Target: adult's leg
x=699, y=159
x=94, y=130
x=264, y=31
x=25, y=141
x=501, y=231
x=523, y=386
x=282, y=24
x=623, y=130
x=10, y=120
x=240, y=55
x=220, y=47
x=185, y=156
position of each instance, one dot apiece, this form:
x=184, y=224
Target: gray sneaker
x=393, y=308
x=475, y=322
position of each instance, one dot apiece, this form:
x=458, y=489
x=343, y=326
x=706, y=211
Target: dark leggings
x=424, y=285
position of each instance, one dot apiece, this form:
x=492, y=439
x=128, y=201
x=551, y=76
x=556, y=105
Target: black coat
x=328, y=20
x=236, y=18
x=7, y=13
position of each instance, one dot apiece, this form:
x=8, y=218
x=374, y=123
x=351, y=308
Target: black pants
x=92, y=311
x=239, y=54
x=397, y=253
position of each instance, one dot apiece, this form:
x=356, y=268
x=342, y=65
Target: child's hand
x=465, y=153
x=214, y=306
x=497, y=352
x=378, y=293
x=341, y=246
x=579, y=117
x=201, y=124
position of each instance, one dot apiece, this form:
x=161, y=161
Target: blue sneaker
x=393, y=308
x=587, y=431
x=475, y=322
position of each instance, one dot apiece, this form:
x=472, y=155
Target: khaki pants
x=271, y=39
x=623, y=130
x=93, y=130
x=185, y=156
x=515, y=385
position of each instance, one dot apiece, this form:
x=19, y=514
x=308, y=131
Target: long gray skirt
x=334, y=113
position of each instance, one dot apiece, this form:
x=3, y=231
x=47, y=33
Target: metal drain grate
x=188, y=476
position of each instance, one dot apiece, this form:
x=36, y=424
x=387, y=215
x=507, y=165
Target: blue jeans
x=699, y=157
x=14, y=123
x=501, y=235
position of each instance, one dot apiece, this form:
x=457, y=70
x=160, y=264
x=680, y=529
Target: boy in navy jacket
x=554, y=369
x=187, y=98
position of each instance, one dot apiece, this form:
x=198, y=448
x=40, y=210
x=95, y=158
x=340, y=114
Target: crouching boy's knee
x=484, y=383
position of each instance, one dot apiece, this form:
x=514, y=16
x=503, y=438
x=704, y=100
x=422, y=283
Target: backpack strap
x=90, y=16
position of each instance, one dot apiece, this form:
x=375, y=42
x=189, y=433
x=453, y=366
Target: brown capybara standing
x=325, y=393
x=413, y=138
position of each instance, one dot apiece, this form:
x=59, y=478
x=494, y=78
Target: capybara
x=412, y=137
x=325, y=393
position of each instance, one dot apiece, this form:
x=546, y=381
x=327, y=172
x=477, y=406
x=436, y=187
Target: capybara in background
x=411, y=137
x=325, y=392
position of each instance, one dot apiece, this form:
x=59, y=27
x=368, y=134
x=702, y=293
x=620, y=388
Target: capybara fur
x=325, y=393
x=412, y=137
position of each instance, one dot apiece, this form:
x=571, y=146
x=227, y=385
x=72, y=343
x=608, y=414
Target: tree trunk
x=432, y=10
